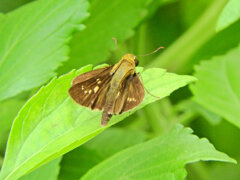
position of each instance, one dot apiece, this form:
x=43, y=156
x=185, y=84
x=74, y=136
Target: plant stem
x=177, y=55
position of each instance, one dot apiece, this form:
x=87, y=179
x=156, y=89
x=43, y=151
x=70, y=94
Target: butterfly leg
x=140, y=76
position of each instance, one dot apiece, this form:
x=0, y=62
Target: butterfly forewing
x=89, y=89
x=91, y=74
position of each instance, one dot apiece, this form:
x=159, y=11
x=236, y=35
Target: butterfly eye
x=136, y=61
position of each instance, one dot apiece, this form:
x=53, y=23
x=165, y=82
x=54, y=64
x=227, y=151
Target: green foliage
x=217, y=45
x=6, y=5
x=75, y=164
x=51, y=137
x=35, y=46
x=164, y=156
x=191, y=10
x=230, y=14
x=189, y=43
x=218, y=87
x=52, y=110
x=112, y=19
x=195, y=108
x=8, y=110
x=48, y=171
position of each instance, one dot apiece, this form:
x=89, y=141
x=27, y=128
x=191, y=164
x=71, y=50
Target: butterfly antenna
x=146, y=88
x=151, y=52
x=116, y=43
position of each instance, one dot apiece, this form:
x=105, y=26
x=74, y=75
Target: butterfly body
x=114, y=89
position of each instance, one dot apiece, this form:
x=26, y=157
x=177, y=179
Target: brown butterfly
x=114, y=89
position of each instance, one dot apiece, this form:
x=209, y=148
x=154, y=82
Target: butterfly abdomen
x=105, y=118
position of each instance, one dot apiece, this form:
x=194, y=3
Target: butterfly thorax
x=122, y=70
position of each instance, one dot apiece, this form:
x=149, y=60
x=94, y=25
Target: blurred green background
x=187, y=30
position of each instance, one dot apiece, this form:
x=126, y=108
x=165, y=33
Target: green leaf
x=33, y=42
x=225, y=136
x=211, y=117
x=229, y=15
x=203, y=29
x=1, y=161
x=77, y=162
x=163, y=157
x=154, y=5
x=224, y=171
x=6, y=5
x=218, y=88
x=153, y=32
x=8, y=111
x=1, y=17
x=215, y=45
x=213, y=171
x=192, y=106
x=114, y=140
x=108, y=19
x=48, y=171
x=63, y=125
x=192, y=10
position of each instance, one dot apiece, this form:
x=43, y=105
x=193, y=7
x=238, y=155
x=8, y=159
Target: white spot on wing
x=98, y=81
x=95, y=89
x=131, y=99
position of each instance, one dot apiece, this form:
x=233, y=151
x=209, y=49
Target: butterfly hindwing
x=121, y=96
x=135, y=95
x=130, y=95
x=89, y=89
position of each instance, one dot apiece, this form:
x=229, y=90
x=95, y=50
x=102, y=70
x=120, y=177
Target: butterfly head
x=131, y=58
